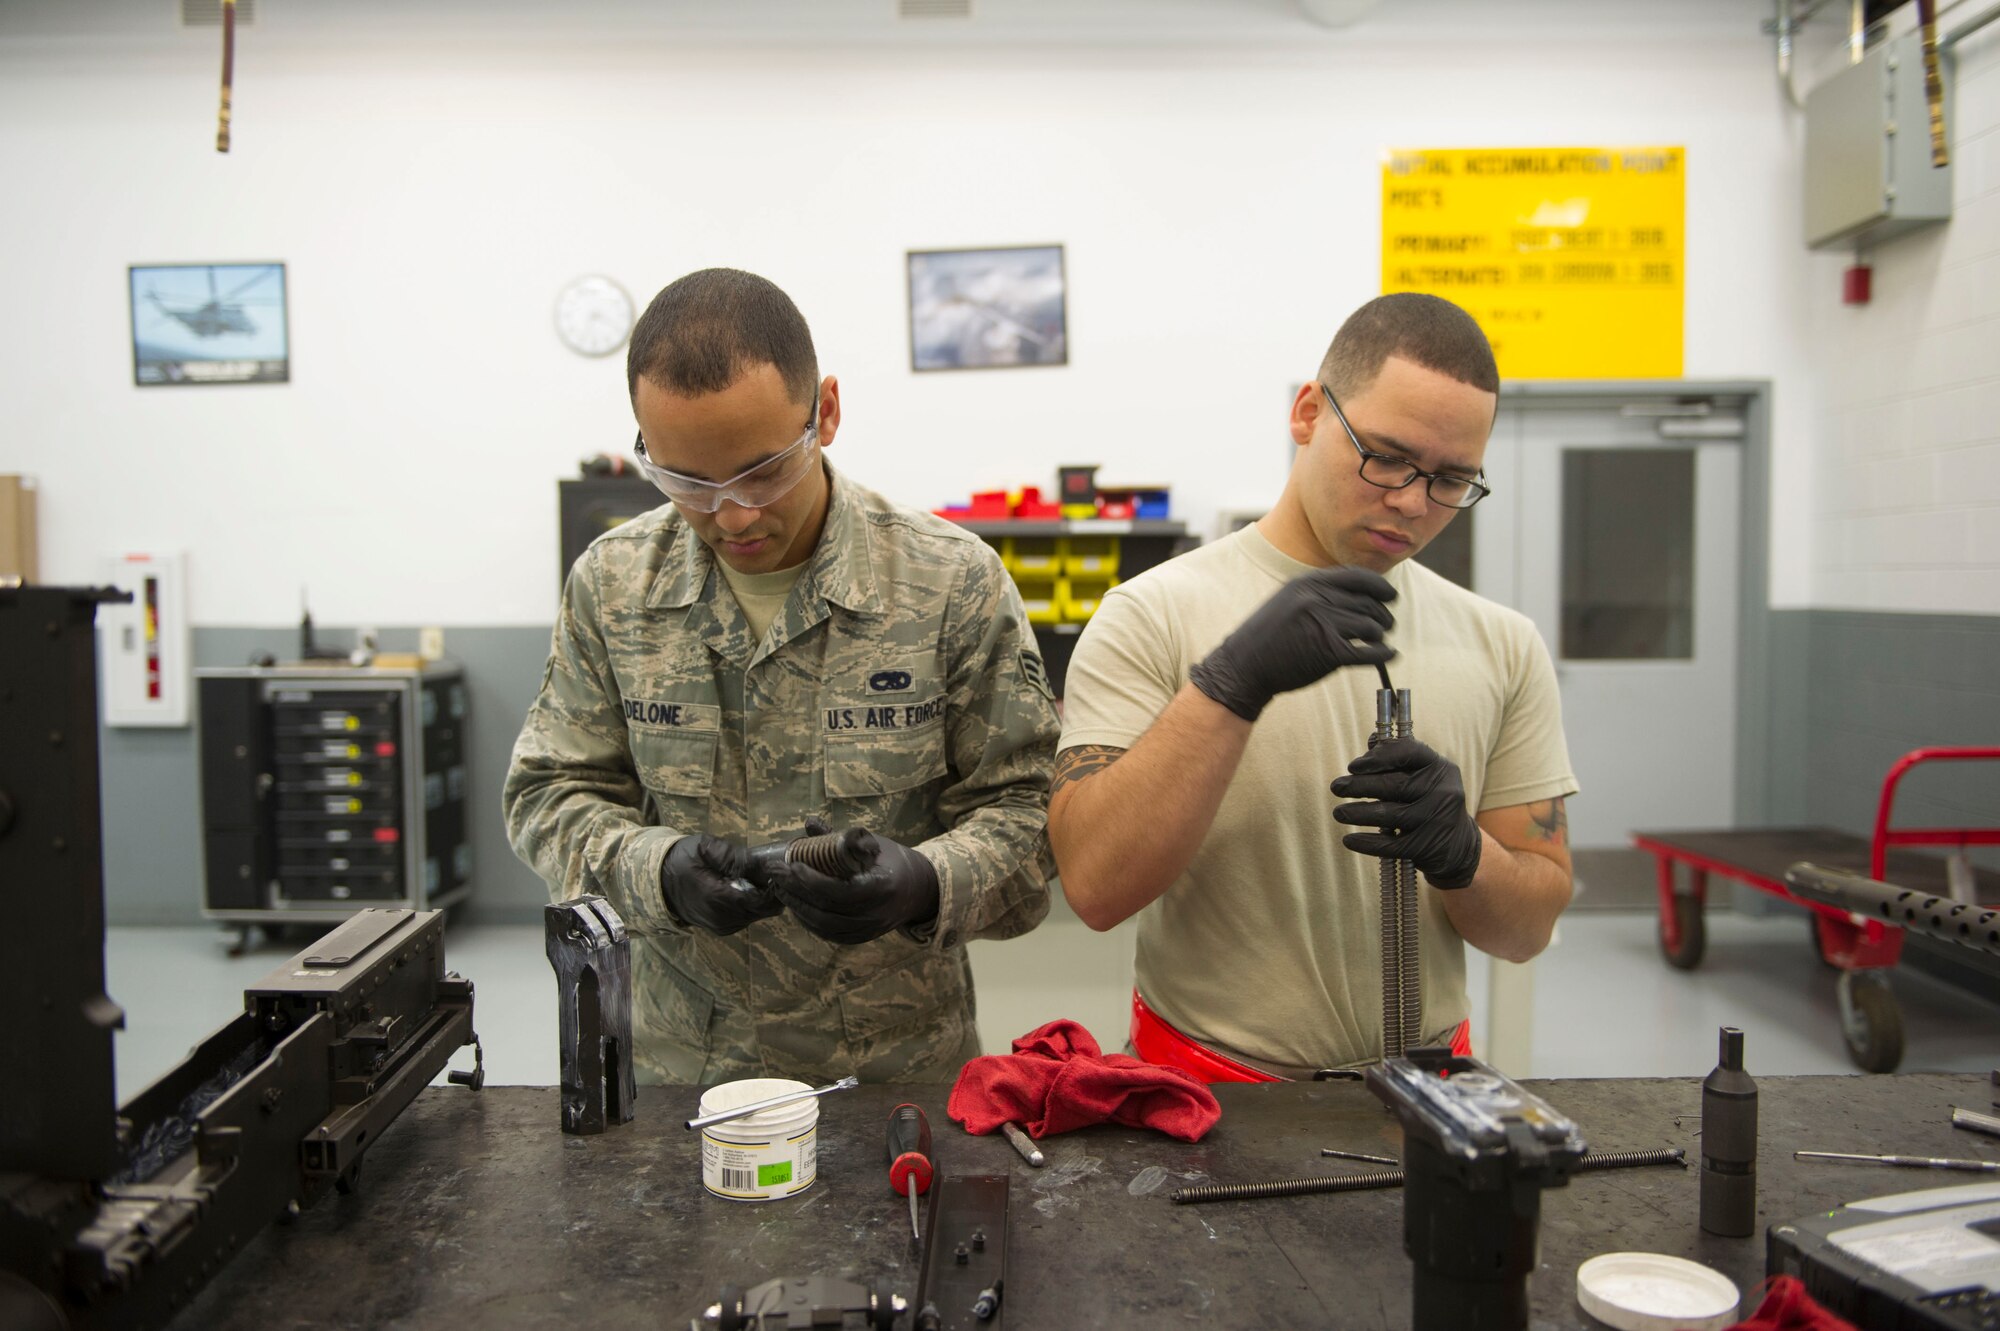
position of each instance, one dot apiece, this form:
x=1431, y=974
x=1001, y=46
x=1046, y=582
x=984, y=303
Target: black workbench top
x=474, y=1210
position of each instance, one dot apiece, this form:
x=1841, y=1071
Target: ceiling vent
x=933, y=8
x=1337, y=13
x=208, y=13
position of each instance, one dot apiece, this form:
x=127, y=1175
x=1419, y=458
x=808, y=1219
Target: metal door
x=1614, y=526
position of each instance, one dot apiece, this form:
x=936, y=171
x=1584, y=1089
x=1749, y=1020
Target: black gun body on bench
x=115, y=1218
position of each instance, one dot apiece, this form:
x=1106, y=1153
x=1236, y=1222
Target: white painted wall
x=1216, y=182
x=1907, y=490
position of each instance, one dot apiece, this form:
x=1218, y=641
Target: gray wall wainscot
x=1847, y=693
x=1879, y=685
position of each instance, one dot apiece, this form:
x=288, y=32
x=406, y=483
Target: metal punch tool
x=593, y=963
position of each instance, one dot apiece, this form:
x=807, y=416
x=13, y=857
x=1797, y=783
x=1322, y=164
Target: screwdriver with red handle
x=910, y=1156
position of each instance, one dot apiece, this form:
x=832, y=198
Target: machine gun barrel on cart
x=1961, y=922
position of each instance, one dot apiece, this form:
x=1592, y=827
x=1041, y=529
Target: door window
x=1628, y=554
x=1449, y=555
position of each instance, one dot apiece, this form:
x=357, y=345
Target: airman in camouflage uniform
x=898, y=689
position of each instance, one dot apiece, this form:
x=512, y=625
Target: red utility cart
x=1861, y=949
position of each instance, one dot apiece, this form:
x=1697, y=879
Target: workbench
x=475, y=1210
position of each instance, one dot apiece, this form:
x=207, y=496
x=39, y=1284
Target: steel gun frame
x=115, y=1217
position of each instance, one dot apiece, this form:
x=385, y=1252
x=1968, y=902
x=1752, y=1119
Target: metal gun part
x=1477, y=1152
x=802, y=1302
x=965, y=1255
x=116, y=1216
x=1968, y=925
x=592, y=957
x=836, y=854
x=1402, y=921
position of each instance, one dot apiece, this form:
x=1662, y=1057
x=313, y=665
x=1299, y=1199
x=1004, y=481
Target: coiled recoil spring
x=840, y=855
x=1393, y=1178
x=836, y=854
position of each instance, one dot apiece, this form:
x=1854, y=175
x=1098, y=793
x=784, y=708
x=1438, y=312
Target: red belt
x=1154, y=1040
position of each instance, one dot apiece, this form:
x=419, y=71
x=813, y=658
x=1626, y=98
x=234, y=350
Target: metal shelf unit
x=328, y=789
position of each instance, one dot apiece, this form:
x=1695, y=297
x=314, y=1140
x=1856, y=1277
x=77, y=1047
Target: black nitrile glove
x=1302, y=634
x=1413, y=789
x=703, y=880
x=899, y=891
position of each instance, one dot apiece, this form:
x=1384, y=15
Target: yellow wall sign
x=1570, y=258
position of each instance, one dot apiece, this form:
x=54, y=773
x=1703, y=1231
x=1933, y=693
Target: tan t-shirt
x=1269, y=945
x=762, y=595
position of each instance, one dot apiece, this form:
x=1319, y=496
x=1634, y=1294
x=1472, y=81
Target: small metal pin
x=1976, y=1122
x=723, y=1116
x=1024, y=1144
x=1903, y=1161
x=1360, y=1155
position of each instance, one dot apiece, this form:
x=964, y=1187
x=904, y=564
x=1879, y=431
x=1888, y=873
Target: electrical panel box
x=1868, y=150
x=327, y=789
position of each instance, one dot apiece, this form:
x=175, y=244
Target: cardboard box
x=18, y=544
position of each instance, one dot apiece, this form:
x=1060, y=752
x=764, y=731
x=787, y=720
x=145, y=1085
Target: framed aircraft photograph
x=217, y=323
x=987, y=309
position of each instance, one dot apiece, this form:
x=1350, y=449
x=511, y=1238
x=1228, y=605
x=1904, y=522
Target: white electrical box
x=144, y=644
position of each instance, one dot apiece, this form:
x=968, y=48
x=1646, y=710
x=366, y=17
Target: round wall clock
x=593, y=316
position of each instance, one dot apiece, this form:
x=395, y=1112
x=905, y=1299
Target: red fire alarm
x=1855, y=284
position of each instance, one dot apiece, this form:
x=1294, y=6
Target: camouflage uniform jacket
x=899, y=689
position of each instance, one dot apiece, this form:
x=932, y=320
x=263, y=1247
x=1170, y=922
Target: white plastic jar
x=762, y=1156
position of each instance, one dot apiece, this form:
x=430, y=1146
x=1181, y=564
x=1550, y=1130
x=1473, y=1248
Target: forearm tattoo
x=1078, y=763
x=1551, y=821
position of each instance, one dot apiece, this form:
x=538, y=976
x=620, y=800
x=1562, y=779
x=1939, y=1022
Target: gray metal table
x=475, y=1210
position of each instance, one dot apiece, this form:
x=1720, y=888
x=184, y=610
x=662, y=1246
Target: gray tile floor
x=1604, y=1005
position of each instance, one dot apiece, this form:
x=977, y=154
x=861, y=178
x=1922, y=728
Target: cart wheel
x=1687, y=918
x=1870, y=1021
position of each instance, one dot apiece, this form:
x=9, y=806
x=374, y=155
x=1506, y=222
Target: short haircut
x=1428, y=330
x=703, y=331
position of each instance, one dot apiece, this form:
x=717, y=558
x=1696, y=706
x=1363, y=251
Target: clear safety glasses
x=759, y=487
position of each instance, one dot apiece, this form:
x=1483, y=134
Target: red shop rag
x=1787, y=1307
x=1058, y=1079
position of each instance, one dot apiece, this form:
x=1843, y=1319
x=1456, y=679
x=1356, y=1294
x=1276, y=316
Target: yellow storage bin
x=1091, y=557
x=1080, y=596
x=1033, y=556
x=1043, y=598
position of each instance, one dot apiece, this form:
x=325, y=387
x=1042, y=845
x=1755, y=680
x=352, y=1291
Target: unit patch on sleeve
x=1036, y=673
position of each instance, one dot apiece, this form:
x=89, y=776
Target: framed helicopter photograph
x=216, y=323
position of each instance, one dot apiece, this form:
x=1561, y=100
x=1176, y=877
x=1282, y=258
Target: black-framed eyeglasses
x=1394, y=473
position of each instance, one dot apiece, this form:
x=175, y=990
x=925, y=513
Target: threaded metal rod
x=1402, y=914
x=1296, y=1187
x=1393, y=1178
x=1409, y=930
